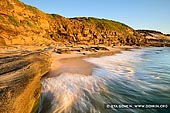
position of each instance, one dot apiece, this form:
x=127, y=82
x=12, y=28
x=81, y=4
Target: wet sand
x=74, y=63
x=70, y=63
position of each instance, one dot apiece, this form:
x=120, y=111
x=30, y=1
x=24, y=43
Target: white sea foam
x=130, y=77
x=69, y=92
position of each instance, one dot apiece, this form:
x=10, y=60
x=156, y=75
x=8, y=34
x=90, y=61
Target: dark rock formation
x=20, y=74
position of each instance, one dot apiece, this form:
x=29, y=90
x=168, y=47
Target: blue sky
x=139, y=14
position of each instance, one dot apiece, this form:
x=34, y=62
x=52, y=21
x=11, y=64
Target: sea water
x=117, y=85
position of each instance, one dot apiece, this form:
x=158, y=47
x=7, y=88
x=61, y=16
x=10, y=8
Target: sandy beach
x=74, y=63
x=24, y=66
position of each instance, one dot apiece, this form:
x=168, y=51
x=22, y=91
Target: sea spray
x=72, y=93
x=134, y=77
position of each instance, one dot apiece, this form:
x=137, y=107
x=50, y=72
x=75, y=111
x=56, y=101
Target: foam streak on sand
x=69, y=88
x=71, y=93
x=117, y=79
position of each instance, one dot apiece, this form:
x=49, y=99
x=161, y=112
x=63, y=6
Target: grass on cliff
x=32, y=9
x=56, y=16
x=13, y=20
x=149, y=31
x=28, y=23
x=104, y=24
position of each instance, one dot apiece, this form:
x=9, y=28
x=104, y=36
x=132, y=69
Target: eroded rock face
x=94, y=31
x=155, y=38
x=2, y=42
x=24, y=24
x=20, y=76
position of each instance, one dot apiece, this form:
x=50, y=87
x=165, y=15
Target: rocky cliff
x=24, y=24
x=155, y=38
x=20, y=74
